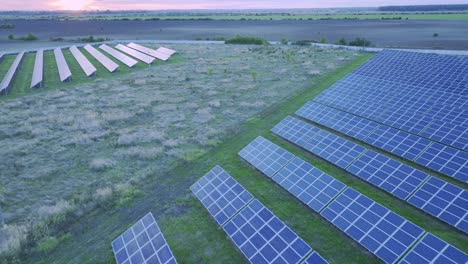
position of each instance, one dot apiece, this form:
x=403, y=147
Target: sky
x=204, y=4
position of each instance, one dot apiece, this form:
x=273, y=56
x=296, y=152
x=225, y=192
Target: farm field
x=397, y=33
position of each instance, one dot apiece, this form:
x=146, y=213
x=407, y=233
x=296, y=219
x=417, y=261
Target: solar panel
x=221, y=195
x=378, y=229
x=398, y=142
x=266, y=156
x=447, y=160
x=7, y=80
x=309, y=184
x=335, y=149
x=392, y=176
x=450, y=114
x=315, y=258
x=84, y=63
x=105, y=61
x=143, y=243
x=38, y=71
x=447, y=133
x=167, y=51
x=295, y=130
x=153, y=53
x=432, y=249
x=263, y=238
x=444, y=201
x=136, y=54
x=119, y=56
x=62, y=66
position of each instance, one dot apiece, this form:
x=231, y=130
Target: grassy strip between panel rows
x=22, y=80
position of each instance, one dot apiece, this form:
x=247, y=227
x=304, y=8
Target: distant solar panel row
x=119, y=56
x=143, y=243
x=390, y=175
x=255, y=230
x=148, y=51
x=136, y=54
x=84, y=63
x=378, y=229
x=8, y=79
x=105, y=61
x=438, y=157
x=62, y=66
x=38, y=71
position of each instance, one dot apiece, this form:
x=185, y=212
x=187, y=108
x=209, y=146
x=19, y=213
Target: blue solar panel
x=315, y=258
x=343, y=122
x=221, y=195
x=266, y=156
x=309, y=184
x=378, y=229
x=295, y=130
x=392, y=176
x=444, y=201
x=335, y=149
x=432, y=249
x=447, y=160
x=404, y=119
x=398, y=142
x=263, y=238
x=456, y=116
x=447, y=133
x=143, y=243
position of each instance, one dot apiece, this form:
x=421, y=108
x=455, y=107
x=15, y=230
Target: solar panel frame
x=10, y=75
x=378, y=229
x=143, y=243
x=307, y=183
x=119, y=56
x=264, y=238
x=431, y=249
x=295, y=130
x=136, y=54
x=87, y=67
x=38, y=70
x=62, y=65
x=110, y=65
x=158, y=55
x=266, y=156
x=444, y=201
x=388, y=174
x=221, y=194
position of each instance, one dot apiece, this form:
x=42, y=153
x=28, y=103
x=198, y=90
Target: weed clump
x=238, y=39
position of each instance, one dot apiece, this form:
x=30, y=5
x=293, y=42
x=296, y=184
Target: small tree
x=360, y=42
x=323, y=40
x=284, y=41
x=11, y=37
x=342, y=41
x=435, y=35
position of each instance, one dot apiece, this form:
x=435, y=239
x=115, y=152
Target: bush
x=93, y=39
x=303, y=42
x=238, y=39
x=198, y=39
x=11, y=37
x=360, y=42
x=56, y=39
x=342, y=41
x=323, y=40
x=435, y=35
x=7, y=26
x=47, y=244
x=284, y=41
x=220, y=38
x=29, y=37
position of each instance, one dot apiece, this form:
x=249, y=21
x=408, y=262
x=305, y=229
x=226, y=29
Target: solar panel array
x=105, y=61
x=432, y=249
x=256, y=231
x=151, y=52
x=62, y=66
x=84, y=63
x=8, y=79
x=444, y=201
x=167, y=51
x=433, y=155
x=136, y=54
x=143, y=243
x=38, y=71
x=119, y=56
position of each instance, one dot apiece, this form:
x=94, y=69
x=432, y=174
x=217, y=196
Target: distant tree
x=360, y=42
x=323, y=40
x=435, y=35
x=342, y=41
x=284, y=41
x=11, y=37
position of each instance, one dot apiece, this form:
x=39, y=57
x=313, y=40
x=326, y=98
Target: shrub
x=11, y=37
x=303, y=42
x=219, y=38
x=93, y=39
x=29, y=37
x=100, y=164
x=238, y=39
x=342, y=41
x=56, y=39
x=435, y=35
x=360, y=42
x=284, y=41
x=47, y=244
x=198, y=39
x=7, y=26
x=323, y=40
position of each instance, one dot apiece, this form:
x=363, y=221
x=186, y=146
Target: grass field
x=192, y=234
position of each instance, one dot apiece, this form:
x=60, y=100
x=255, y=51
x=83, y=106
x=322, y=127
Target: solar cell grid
x=432, y=249
x=295, y=130
x=444, y=201
x=266, y=156
x=453, y=135
x=143, y=243
x=378, y=229
x=398, y=142
x=141, y=56
x=390, y=175
x=315, y=258
x=455, y=116
x=309, y=184
x=167, y=51
x=263, y=238
x=447, y=160
x=221, y=195
x=404, y=120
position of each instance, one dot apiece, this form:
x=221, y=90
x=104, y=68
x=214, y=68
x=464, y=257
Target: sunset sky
x=206, y=4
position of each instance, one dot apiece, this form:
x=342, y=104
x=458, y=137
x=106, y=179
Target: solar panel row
x=390, y=175
x=148, y=51
x=7, y=80
x=62, y=66
x=167, y=51
x=38, y=71
x=438, y=157
x=105, y=61
x=136, y=54
x=255, y=230
x=143, y=243
x=119, y=56
x=84, y=63
x=378, y=229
